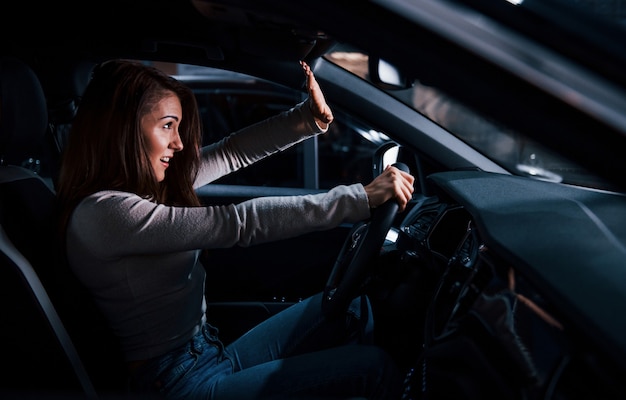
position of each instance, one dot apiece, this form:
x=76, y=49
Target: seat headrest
x=64, y=83
x=23, y=114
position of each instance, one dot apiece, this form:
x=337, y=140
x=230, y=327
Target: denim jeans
x=295, y=354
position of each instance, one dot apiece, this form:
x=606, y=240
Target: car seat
x=40, y=300
x=64, y=82
x=35, y=344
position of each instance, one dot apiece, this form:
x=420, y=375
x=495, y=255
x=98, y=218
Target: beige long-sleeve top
x=139, y=259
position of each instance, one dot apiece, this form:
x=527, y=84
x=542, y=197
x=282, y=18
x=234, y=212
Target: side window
x=224, y=110
x=345, y=152
x=229, y=102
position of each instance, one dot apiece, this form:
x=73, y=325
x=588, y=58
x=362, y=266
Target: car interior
x=489, y=284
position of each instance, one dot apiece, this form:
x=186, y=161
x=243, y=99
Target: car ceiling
x=258, y=33
x=194, y=30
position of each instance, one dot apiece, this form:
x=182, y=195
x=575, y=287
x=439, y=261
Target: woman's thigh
x=299, y=329
x=341, y=372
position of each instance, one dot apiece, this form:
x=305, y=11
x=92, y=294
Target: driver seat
x=33, y=337
x=46, y=316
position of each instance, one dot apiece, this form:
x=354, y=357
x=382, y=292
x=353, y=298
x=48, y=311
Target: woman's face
x=160, y=128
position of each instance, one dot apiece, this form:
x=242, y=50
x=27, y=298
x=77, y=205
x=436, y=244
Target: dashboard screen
x=449, y=231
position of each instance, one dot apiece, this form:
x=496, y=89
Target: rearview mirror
x=386, y=75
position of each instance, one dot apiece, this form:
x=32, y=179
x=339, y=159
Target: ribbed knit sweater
x=140, y=259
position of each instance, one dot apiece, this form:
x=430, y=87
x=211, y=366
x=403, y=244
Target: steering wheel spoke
x=362, y=245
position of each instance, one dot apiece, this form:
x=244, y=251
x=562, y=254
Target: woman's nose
x=176, y=143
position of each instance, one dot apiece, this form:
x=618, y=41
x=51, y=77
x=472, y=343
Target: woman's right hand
x=320, y=109
x=391, y=183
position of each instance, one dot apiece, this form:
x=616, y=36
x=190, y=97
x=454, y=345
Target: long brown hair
x=106, y=149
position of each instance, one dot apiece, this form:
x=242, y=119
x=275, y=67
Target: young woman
x=134, y=229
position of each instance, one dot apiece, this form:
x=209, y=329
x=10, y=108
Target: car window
x=229, y=101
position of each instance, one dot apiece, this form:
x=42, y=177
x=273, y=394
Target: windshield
x=514, y=152
x=510, y=149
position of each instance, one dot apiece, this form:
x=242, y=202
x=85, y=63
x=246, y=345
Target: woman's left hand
x=321, y=111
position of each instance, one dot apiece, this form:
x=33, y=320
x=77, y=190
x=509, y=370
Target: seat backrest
x=27, y=239
x=36, y=347
x=26, y=200
x=29, y=222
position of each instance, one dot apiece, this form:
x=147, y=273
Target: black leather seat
x=36, y=348
x=52, y=340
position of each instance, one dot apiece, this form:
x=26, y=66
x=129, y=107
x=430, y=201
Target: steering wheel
x=363, y=243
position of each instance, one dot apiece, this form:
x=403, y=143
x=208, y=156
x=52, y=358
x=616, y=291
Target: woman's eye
x=168, y=125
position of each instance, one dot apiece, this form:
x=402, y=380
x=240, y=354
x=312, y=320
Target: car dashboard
x=512, y=312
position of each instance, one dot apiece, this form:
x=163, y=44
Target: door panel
x=283, y=270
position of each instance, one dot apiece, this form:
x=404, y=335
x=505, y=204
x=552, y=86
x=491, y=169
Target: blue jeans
x=295, y=354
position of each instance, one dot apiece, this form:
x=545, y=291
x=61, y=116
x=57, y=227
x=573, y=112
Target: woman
x=134, y=228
